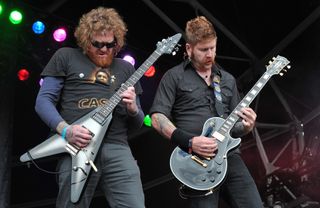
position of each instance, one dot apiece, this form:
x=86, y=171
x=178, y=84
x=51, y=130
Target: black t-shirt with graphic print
x=87, y=86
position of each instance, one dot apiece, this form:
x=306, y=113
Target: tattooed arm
x=201, y=145
x=162, y=125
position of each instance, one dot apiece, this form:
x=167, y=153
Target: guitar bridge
x=197, y=160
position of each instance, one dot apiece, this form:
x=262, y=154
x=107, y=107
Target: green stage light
x=15, y=17
x=1, y=9
x=147, y=121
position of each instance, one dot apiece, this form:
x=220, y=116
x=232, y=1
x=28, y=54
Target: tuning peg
x=288, y=66
x=273, y=58
x=270, y=62
x=175, y=49
x=281, y=74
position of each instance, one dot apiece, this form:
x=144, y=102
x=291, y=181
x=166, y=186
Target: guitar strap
x=217, y=94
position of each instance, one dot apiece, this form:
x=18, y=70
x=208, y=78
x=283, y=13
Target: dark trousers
x=118, y=177
x=238, y=190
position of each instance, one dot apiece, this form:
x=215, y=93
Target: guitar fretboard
x=101, y=115
x=245, y=102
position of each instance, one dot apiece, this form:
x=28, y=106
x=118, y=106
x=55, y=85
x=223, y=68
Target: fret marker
x=266, y=76
x=253, y=92
x=248, y=98
x=224, y=129
x=259, y=84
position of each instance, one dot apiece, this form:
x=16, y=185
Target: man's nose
x=210, y=52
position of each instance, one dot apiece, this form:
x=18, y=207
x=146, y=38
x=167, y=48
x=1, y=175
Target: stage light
x=15, y=17
x=129, y=59
x=1, y=9
x=147, y=121
x=60, y=34
x=40, y=82
x=23, y=74
x=38, y=27
x=150, y=72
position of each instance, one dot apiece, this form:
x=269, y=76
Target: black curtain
x=6, y=126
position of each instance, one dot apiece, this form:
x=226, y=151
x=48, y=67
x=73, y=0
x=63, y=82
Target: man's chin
x=106, y=62
x=208, y=65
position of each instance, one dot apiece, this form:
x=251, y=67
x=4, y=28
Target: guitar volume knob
x=219, y=170
x=212, y=179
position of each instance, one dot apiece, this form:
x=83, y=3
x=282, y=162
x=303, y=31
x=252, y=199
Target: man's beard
x=101, y=62
x=202, y=64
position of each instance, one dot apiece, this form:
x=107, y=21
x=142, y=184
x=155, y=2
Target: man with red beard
x=91, y=74
x=191, y=93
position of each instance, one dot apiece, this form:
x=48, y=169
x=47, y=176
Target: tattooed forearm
x=162, y=124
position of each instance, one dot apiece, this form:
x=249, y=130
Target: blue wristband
x=64, y=132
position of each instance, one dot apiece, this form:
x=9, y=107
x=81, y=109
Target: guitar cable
x=37, y=166
x=55, y=172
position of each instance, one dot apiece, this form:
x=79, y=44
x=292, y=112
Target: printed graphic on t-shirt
x=98, y=76
x=102, y=77
x=91, y=102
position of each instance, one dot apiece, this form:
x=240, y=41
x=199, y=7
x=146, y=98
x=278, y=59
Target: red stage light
x=23, y=74
x=150, y=72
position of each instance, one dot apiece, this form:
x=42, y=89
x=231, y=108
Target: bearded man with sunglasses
x=76, y=81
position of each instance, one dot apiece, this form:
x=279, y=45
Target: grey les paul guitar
x=97, y=122
x=208, y=173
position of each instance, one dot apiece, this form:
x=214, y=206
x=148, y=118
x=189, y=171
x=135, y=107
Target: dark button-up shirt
x=185, y=97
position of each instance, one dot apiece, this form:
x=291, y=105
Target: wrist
x=182, y=139
x=133, y=114
x=61, y=126
x=64, y=132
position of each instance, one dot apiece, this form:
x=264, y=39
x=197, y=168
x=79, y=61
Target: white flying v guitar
x=208, y=173
x=97, y=122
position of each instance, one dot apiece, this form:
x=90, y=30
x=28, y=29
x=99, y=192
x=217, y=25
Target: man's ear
x=188, y=49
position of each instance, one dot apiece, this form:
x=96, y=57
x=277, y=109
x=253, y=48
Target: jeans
x=238, y=190
x=118, y=177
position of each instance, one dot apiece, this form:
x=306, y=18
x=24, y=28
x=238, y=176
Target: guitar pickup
x=72, y=149
x=202, y=158
x=90, y=132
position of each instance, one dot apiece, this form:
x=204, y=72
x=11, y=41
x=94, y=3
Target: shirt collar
x=216, y=68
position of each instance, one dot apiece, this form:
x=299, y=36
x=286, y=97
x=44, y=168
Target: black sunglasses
x=100, y=45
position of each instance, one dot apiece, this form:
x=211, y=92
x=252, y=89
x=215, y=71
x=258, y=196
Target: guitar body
x=80, y=157
x=199, y=173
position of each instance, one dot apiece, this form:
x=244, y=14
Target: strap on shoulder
x=217, y=92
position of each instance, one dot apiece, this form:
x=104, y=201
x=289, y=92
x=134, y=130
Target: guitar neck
x=102, y=114
x=245, y=102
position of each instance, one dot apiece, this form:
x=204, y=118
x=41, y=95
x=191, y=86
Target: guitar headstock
x=167, y=45
x=278, y=65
